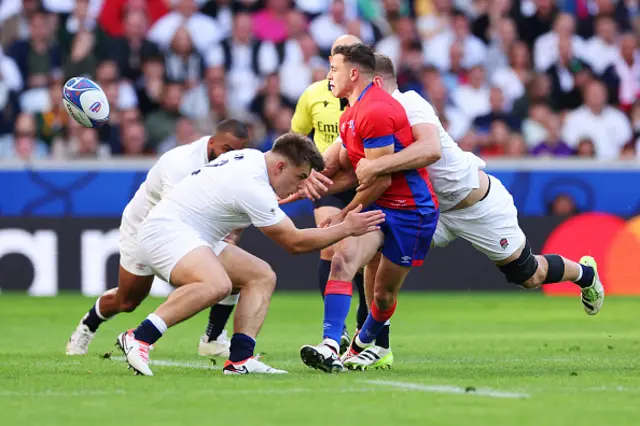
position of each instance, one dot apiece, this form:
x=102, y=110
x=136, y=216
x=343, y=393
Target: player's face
x=290, y=178
x=224, y=142
x=339, y=77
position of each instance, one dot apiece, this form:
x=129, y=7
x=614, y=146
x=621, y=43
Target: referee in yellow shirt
x=317, y=114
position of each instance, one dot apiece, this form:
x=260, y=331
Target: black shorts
x=339, y=200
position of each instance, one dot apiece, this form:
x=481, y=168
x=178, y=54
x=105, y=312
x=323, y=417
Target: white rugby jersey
x=170, y=169
x=231, y=192
x=455, y=174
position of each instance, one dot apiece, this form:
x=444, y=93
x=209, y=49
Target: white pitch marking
x=447, y=389
x=169, y=363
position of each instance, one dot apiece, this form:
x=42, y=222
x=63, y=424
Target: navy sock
x=587, y=276
x=363, y=310
x=92, y=320
x=324, y=269
x=218, y=317
x=147, y=332
x=242, y=347
x=382, y=339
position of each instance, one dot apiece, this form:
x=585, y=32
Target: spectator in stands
x=10, y=73
x=433, y=20
x=534, y=127
x=627, y=71
x=110, y=18
x=547, y=48
x=161, y=124
x=495, y=143
x=9, y=107
x=51, y=122
x=513, y=78
x=410, y=69
x=204, y=30
x=538, y=91
x=326, y=28
x=295, y=76
x=15, y=17
x=502, y=40
x=453, y=119
x=182, y=62
x=81, y=142
x=457, y=73
x=222, y=11
x=601, y=50
x=133, y=48
x=515, y=146
x=607, y=127
x=498, y=111
x=185, y=133
x=107, y=73
x=281, y=125
x=270, y=92
x=150, y=85
x=600, y=8
x=296, y=25
x=586, y=148
x=553, y=145
x=436, y=51
x=245, y=59
x=22, y=144
x=472, y=98
x=270, y=24
x=568, y=75
x=133, y=139
x=37, y=58
x=403, y=35
x=532, y=27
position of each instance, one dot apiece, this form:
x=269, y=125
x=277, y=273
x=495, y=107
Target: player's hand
x=291, y=198
x=332, y=220
x=363, y=223
x=316, y=185
x=366, y=173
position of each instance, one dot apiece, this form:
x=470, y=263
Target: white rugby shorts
x=162, y=243
x=490, y=225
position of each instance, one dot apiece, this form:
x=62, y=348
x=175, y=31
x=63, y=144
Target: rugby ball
x=85, y=102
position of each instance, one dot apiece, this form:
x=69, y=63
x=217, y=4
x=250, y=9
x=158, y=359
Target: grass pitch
x=479, y=359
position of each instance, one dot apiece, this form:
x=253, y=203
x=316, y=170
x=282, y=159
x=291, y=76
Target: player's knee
x=217, y=290
x=269, y=279
x=522, y=271
x=383, y=298
x=538, y=277
x=343, y=264
x=129, y=305
x=327, y=253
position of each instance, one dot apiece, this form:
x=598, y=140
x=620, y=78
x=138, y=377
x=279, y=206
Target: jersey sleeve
x=418, y=110
x=261, y=205
x=376, y=126
x=302, y=121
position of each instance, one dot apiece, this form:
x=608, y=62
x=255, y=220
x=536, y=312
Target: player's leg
x=350, y=256
x=407, y=239
x=215, y=341
x=491, y=225
x=324, y=208
x=256, y=281
x=201, y=282
x=132, y=289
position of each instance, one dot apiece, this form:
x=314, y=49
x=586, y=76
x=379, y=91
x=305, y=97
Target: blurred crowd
x=507, y=77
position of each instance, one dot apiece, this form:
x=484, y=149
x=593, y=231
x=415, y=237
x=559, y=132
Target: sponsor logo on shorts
x=504, y=243
x=405, y=259
x=140, y=266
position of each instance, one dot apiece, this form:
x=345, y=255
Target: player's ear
x=377, y=80
x=280, y=167
x=354, y=74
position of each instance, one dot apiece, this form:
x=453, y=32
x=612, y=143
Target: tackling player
x=181, y=242
x=318, y=113
x=134, y=276
x=474, y=206
x=375, y=125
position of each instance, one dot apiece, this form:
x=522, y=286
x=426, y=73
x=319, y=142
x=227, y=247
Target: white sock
x=333, y=344
x=97, y=308
x=158, y=323
x=579, y=273
x=230, y=300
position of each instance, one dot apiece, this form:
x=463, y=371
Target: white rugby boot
x=218, y=347
x=372, y=358
x=322, y=357
x=250, y=366
x=78, y=343
x=136, y=352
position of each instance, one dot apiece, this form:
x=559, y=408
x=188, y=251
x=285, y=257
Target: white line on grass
x=447, y=389
x=169, y=363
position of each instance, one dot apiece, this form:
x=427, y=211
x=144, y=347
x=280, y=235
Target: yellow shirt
x=318, y=111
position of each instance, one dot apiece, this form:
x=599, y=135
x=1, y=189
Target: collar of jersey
x=365, y=90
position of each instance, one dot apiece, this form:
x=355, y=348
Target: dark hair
x=384, y=66
x=359, y=54
x=236, y=127
x=298, y=149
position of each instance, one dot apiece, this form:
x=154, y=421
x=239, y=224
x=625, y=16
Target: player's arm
x=297, y=241
x=424, y=151
x=332, y=158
